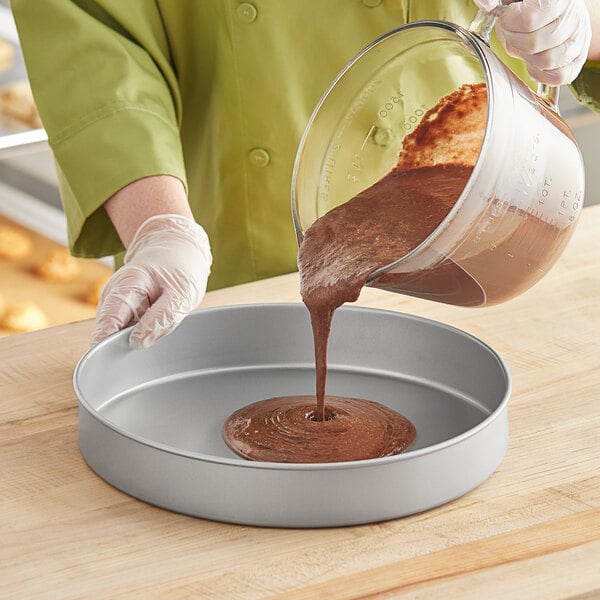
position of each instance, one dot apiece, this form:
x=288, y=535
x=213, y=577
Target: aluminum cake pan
x=150, y=420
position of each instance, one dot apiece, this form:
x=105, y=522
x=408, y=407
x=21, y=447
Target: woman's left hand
x=552, y=37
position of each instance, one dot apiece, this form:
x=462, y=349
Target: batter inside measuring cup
x=338, y=254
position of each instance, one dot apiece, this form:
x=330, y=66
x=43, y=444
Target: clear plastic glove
x=552, y=37
x=164, y=278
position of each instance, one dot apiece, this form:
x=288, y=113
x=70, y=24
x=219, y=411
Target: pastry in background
x=14, y=243
x=58, y=265
x=7, y=55
x=92, y=296
x=24, y=316
x=2, y=304
x=17, y=101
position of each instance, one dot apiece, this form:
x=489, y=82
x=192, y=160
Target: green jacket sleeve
x=105, y=87
x=586, y=87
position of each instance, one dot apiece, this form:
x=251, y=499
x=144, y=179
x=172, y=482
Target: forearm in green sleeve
x=586, y=87
x=107, y=94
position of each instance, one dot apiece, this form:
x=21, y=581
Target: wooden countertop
x=530, y=531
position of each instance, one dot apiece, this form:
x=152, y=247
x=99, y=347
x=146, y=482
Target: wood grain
x=531, y=531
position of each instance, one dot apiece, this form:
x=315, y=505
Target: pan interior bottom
x=186, y=413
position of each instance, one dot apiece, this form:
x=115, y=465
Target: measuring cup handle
x=482, y=26
x=483, y=23
x=549, y=94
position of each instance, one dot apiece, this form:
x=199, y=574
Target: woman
x=177, y=121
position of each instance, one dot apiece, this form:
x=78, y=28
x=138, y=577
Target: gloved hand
x=551, y=36
x=164, y=277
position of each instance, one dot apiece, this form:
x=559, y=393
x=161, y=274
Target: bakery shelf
x=15, y=136
x=13, y=144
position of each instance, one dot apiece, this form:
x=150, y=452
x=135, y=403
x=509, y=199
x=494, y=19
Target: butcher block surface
x=532, y=530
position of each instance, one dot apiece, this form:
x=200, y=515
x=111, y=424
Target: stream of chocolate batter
x=342, y=248
x=337, y=255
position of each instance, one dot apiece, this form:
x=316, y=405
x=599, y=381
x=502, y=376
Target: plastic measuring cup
x=524, y=196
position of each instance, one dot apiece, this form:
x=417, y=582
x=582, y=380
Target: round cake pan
x=150, y=420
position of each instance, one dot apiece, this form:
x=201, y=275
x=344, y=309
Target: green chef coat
x=214, y=92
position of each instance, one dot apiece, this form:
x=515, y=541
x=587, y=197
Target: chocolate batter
x=337, y=255
x=286, y=430
x=342, y=248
